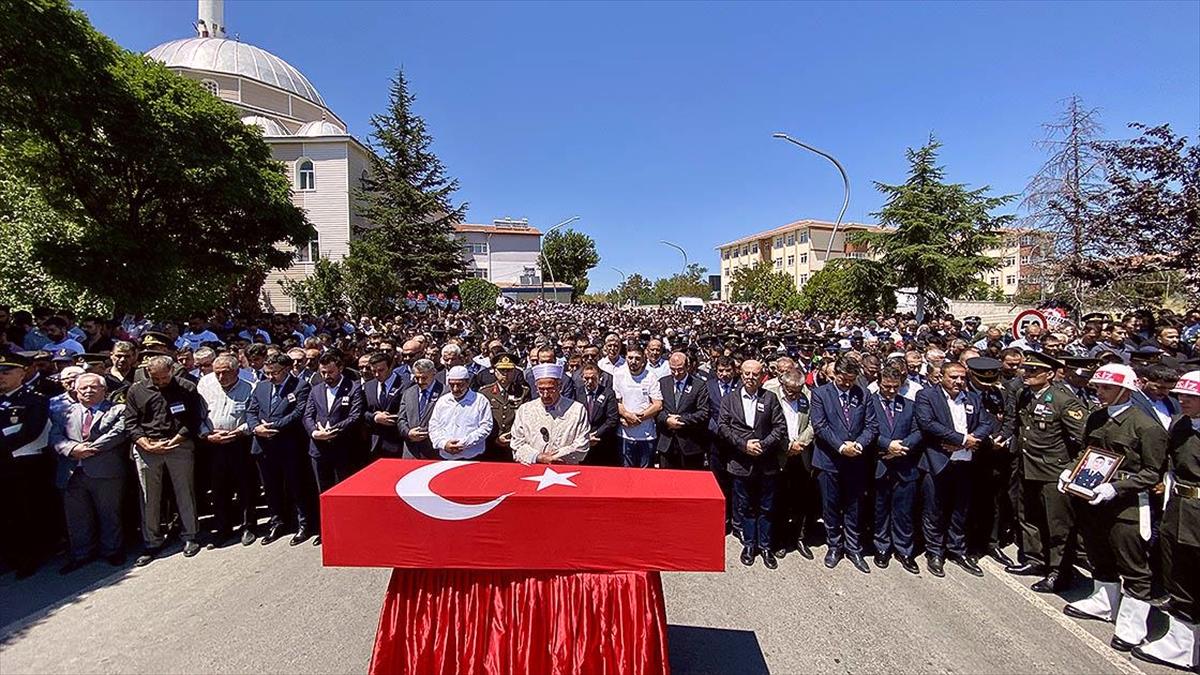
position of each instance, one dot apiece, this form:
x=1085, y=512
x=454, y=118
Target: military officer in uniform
x=993, y=507
x=1077, y=370
x=24, y=433
x=1115, y=524
x=1180, y=537
x=1047, y=426
x=505, y=395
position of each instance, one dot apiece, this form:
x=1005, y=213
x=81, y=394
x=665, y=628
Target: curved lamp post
x=623, y=279
x=679, y=248
x=546, y=261
x=845, y=184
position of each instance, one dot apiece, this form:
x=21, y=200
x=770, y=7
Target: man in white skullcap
x=552, y=428
x=462, y=421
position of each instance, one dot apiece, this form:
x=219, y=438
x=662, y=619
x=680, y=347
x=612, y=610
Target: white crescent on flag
x=413, y=488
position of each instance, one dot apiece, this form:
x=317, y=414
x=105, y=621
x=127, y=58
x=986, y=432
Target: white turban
x=544, y=371
x=458, y=373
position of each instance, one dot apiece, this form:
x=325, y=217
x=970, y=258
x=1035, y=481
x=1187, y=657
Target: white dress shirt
x=468, y=420
x=791, y=415
x=750, y=406
x=225, y=409
x=958, y=413
x=331, y=394
x=609, y=366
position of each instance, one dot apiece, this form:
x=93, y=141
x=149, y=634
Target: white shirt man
x=461, y=422
x=196, y=340
x=958, y=413
x=637, y=393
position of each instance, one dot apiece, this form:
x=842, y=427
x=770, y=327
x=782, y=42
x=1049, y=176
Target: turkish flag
x=476, y=515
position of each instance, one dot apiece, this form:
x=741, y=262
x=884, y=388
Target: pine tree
x=935, y=232
x=406, y=198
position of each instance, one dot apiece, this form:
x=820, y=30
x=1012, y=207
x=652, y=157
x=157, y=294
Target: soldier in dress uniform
x=1115, y=524
x=24, y=433
x=1180, y=537
x=1077, y=370
x=993, y=507
x=1047, y=426
x=505, y=395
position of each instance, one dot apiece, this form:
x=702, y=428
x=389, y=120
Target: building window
x=804, y=237
x=803, y=258
x=309, y=253
x=1010, y=280
x=475, y=248
x=791, y=239
x=791, y=261
x=803, y=279
x=778, y=242
x=994, y=281
x=746, y=249
x=479, y=274
x=306, y=177
x=1025, y=260
x=778, y=263
x=725, y=254
x=210, y=86
x=1010, y=260
x=856, y=254
x=1027, y=240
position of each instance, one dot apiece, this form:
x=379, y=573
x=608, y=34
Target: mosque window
x=310, y=252
x=210, y=86
x=306, y=177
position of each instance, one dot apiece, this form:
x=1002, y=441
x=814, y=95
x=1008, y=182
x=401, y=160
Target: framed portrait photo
x=1095, y=466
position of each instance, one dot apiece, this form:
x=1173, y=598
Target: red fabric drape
x=463, y=621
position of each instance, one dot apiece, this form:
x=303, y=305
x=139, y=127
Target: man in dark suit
x=416, y=407
x=383, y=406
x=954, y=424
x=601, y=405
x=546, y=354
x=845, y=425
x=752, y=426
x=274, y=416
x=89, y=437
x=898, y=451
x=590, y=356
x=719, y=386
x=683, y=420
x=334, y=411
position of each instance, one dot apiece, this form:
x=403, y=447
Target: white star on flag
x=551, y=477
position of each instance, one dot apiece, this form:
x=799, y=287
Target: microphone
x=545, y=434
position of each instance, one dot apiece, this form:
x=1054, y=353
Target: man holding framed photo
x=1115, y=523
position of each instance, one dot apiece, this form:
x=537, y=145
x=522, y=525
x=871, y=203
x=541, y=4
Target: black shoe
x=273, y=533
x=833, y=556
x=1121, y=645
x=936, y=565
x=909, y=565
x=1052, y=583
x=967, y=564
x=1137, y=653
x=747, y=556
x=299, y=538
x=997, y=554
x=769, y=560
x=146, y=556
x=218, y=540
x=1028, y=569
x=859, y=562
x=190, y=549
x=804, y=551
x=248, y=536
x=882, y=560
x=317, y=540
x=116, y=559
x=74, y=564
x=780, y=552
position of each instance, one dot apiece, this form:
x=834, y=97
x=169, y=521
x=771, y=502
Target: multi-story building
x=508, y=253
x=799, y=249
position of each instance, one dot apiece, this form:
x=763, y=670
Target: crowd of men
x=876, y=436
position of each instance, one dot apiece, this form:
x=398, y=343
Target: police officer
x=1115, y=523
x=1047, y=425
x=993, y=508
x=24, y=429
x=1180, y=537
x=505, y=395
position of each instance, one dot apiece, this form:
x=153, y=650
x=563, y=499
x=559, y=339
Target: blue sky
x=653, y=121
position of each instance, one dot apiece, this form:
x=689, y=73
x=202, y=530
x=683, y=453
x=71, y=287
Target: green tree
x=843, y=284
x=478, y=294
x=406, y=198
x=321, y=292
x=690, y=283
x=159, y=187
x=762, y=285
x=935, y=232
x=637, y=288
x=371, y=284
x=569, y=255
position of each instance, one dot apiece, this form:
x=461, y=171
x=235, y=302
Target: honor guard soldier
x=24, y=432
x=1115, y=524
x=1180, y=537
x=1047, y=425
x=505, y=395
x=1077, y=370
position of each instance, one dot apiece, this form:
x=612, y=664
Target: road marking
x=1092, y=642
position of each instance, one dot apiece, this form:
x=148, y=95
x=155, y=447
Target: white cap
x=70, y=371
x=1188, y=384
x=1116, y=374
x=547, y=371
x=458, y=373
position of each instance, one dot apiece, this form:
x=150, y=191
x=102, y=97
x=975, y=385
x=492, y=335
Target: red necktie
x=87, y=423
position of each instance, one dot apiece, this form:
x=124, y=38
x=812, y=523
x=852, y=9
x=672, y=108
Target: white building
x=508, y=253
x=325, y=163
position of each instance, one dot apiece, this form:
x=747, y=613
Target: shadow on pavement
x=696, y=649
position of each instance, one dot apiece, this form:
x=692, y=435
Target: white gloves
x=1104, y=492
x=1062, y=480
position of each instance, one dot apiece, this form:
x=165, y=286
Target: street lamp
x=845, y=184
x=679, y=248
x=546, y=261
x=623, y=278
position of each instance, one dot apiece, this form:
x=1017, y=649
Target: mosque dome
x=269, y=126
x=230, y=57
x=320, y=128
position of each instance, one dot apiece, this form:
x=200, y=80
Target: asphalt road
x=275, y=609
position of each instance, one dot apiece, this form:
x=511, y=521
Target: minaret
x=210, y=22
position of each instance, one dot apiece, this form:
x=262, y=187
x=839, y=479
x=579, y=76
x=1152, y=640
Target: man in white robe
x=550, y=429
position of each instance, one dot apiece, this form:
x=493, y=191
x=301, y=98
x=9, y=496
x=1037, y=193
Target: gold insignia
x=1075, y=414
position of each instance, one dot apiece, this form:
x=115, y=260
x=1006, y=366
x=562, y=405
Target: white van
x=689, y=304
